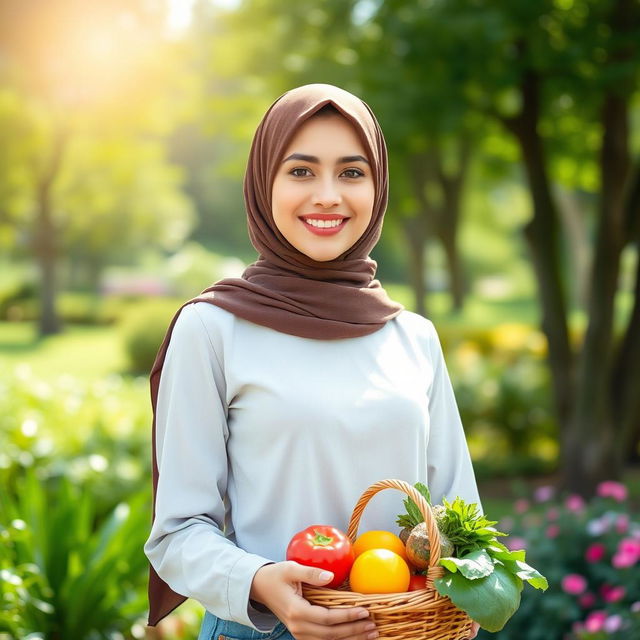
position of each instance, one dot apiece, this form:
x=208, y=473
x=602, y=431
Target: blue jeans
x=214, y=628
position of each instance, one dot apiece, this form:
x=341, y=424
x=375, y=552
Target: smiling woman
x=279, y=396
x=323, y=194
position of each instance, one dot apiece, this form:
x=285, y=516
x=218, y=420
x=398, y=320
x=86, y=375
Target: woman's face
x=323, y=193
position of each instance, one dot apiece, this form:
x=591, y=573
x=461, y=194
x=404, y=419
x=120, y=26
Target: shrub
x=96, y=434
x=590, y=553
x=503, y=393
x=64, y=576
x=143, y=331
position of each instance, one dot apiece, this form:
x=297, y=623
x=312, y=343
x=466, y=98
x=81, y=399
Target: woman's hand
x=279, y=587
x=475, y=627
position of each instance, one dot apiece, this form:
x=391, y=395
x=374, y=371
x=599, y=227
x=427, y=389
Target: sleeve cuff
x=238, y=590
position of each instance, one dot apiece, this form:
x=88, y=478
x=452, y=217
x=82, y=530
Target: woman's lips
x=326, y=225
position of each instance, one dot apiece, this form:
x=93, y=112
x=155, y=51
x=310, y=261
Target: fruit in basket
x=324, y=547
x=379, y=540
x=404, y=534
x=379, y=571
x=419, y=546
x=417, y=582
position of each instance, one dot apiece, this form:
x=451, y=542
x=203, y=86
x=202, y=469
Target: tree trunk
x=418, y=229
x=543, y=236
x=415, y=231
x=45, y=245
x=592, y=420
x=449, y=219
x=577, y=233
x=626, y=376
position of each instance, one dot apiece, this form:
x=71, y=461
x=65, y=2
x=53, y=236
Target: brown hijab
x=284, y=289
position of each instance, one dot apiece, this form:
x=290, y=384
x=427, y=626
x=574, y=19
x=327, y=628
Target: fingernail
x=363, y=614
x=326, y=575
x=370, y=626
x=373, y=635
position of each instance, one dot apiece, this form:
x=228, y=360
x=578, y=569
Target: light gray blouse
x=260, y=434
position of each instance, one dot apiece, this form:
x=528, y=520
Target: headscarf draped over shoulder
x=284, y=289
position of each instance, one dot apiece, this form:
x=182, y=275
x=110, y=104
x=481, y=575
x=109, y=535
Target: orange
x=380, y=540
x=379, y=571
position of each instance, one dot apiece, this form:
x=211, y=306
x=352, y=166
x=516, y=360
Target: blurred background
x=513, y=130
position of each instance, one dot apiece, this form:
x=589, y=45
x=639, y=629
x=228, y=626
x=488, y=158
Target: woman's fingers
x=319, y=622
x=364, y=630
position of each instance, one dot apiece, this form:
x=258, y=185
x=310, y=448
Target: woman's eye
x=294, y=172
x=353, y=173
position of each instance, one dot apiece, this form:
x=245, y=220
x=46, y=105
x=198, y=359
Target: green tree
x=79, y=74
x=535, y=59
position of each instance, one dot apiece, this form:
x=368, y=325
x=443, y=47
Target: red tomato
x=417, y=582
x=323, y=547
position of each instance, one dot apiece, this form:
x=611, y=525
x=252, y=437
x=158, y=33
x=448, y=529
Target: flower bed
x=590, y=553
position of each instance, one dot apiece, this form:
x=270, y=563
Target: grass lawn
x=86, y=352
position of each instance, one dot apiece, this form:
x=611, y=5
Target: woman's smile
x=323, y=193
x=324, y=224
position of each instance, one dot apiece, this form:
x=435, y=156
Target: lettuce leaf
x=474, y=565
x=490, y=601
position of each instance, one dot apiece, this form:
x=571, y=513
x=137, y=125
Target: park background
x=513, y=130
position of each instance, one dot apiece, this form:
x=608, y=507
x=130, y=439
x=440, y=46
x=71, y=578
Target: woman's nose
x=327, y=195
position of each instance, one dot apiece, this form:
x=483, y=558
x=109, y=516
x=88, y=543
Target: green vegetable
x=413, y=516
x=482, y=577
x=490, y=601
x=466, y=527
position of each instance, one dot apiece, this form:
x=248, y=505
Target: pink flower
x=553, y=530
x=587, y=600
x=521, y=505
x=635, y=607
x=630, y=546
x=544, y=494
x=611, y=489
x=553, y=513
x=622, y=523
x=623, y=560
x=613, y=623
x=574, y=503
x=627, y=554
x=595, y=552
x=595, y=621
x=574, y=584
x=513, y=543
x=612, y=593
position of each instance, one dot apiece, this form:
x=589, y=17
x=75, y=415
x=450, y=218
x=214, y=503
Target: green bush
x=590, y=553
x=503, y=392
x=144, y=329
x=95, y=434
x=64, y=575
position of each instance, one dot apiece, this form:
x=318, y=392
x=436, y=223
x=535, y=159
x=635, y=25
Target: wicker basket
x=413, y=615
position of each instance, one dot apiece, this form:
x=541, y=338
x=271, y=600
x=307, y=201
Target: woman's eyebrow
x=316, y=160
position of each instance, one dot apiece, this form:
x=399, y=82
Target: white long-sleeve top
x=260, y=434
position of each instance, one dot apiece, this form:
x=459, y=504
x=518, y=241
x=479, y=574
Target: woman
x=279, y=397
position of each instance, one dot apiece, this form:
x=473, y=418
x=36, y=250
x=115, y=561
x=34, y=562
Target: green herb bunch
x=466, y=527
x=413, y=516
x=484, y=578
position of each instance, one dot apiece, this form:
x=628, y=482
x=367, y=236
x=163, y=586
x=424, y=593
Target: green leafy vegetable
x=483, y=577
x=490, y=601
x=466, y=527
x=477, y=564
x=413, y=516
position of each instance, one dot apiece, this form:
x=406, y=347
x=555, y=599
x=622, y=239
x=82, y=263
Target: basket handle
x=416, y=496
